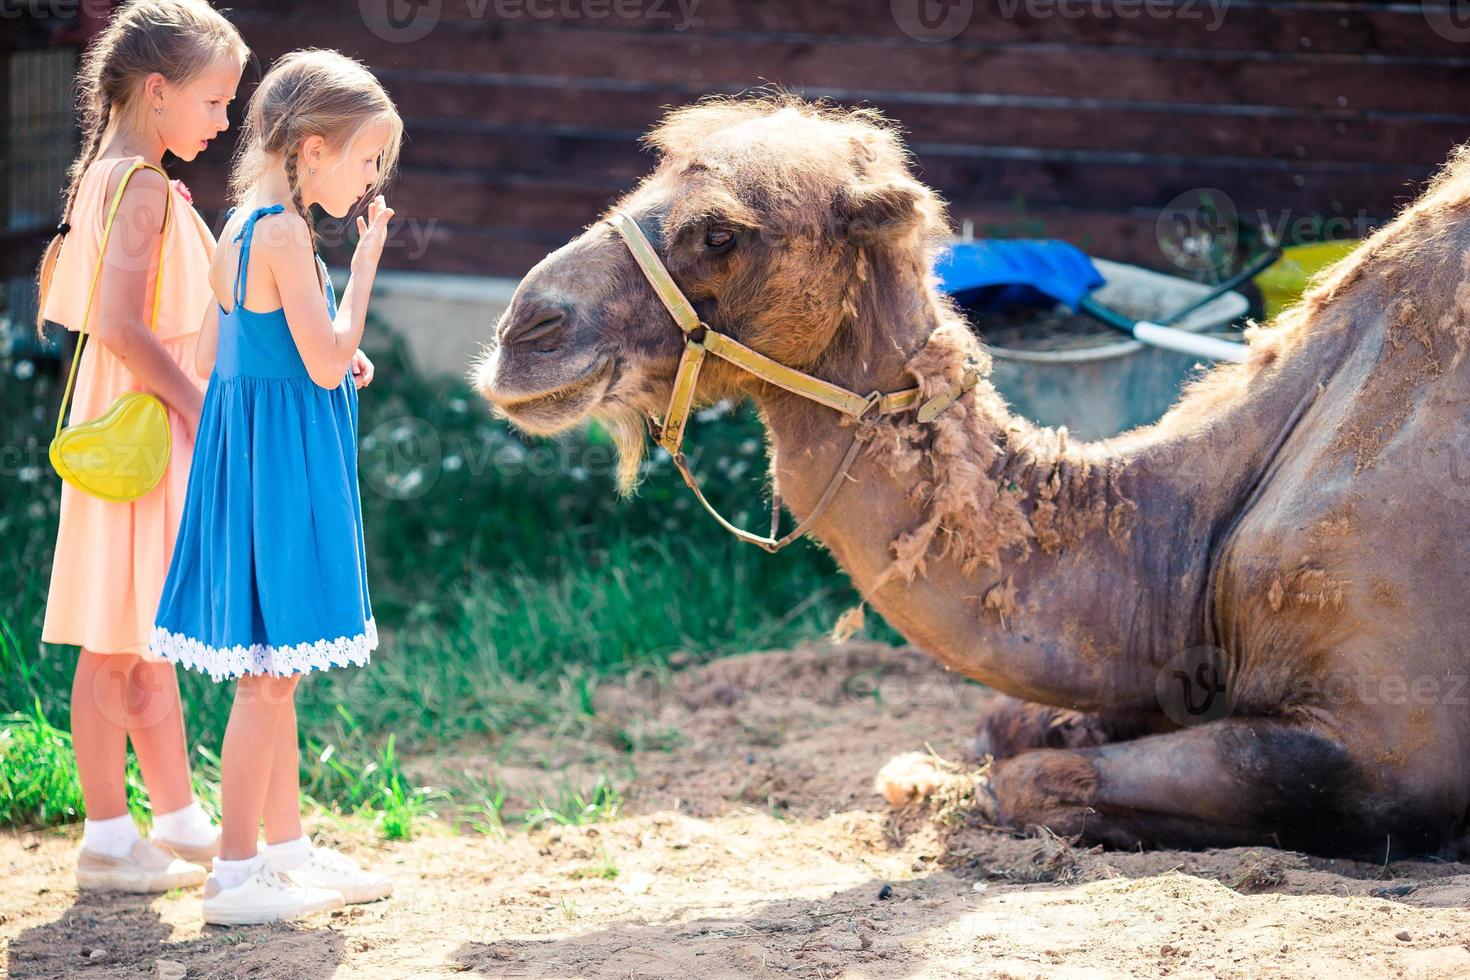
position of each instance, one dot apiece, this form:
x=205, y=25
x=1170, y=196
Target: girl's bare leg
x=156, y=726
x=248, y=757
x=283, y=794
x=99, y=714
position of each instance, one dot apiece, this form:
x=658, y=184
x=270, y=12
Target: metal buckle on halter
x=930, y=410
x=681, y=397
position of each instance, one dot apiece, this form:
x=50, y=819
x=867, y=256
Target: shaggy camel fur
x=1244, y=624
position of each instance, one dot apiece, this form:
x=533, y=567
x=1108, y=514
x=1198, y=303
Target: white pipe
x=1185, y=342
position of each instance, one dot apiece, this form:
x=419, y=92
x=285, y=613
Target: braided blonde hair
x=178, y=39
x=313, y=92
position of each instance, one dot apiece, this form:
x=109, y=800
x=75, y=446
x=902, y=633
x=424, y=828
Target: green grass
x=605, y=869
x=507, y=580
x=38, y=773
x=574, y=807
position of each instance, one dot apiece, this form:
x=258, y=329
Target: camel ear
x=872, y=211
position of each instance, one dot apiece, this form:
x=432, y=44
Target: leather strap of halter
x=702, y=340
x=729, y=349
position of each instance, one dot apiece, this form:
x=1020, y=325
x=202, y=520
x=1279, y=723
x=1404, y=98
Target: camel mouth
x=559, y=408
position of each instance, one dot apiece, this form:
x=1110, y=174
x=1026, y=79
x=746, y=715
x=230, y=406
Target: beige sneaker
x=333, y=870
x=190, y=852
x=265, y=896
x=146, y=869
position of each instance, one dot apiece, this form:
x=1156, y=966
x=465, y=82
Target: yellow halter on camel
x=700, y=340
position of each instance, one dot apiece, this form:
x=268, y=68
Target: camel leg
x=1233, y=782
x=1011, y=726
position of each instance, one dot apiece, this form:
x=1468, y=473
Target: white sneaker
x=144, y=869
x=200, y=854
x=265, y=896
x=331, y=869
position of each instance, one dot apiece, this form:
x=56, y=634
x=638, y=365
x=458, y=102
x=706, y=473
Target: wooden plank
x=1274, y=26
x=1303, y=80
x=522, y=131
x=539, y=213
x=603, y=165
x=482, y=251
x=527, y=216
x=1118, y=184
x=435, y=108
x=1120, y=235
x=531, y=203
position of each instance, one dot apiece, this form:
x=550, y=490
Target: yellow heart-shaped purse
x=118, y=456
x=122, y=454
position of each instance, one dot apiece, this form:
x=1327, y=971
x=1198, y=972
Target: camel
x=1241, y=625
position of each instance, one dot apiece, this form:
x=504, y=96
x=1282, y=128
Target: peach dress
x=112, y=558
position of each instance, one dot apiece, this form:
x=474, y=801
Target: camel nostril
x=535, y=329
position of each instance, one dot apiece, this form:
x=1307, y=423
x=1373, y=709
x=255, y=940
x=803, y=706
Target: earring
x=311, y=171
x=158, y=110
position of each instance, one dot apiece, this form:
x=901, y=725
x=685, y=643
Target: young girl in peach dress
x=156, y=81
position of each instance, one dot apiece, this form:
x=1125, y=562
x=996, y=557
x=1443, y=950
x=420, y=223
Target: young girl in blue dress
x=268, y=580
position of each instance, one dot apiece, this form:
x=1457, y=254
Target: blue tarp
x=990, y=274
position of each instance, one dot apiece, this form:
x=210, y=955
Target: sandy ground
x=751, y=844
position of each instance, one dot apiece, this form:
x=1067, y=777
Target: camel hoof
x=910, y=778
x=924, y=778
x=1010, y=727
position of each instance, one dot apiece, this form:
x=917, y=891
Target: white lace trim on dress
x=264, y=658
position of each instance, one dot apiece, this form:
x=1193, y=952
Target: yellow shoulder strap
x=97, y=273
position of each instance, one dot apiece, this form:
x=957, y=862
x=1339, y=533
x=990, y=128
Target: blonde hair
x=178, y=39
x=312, y=92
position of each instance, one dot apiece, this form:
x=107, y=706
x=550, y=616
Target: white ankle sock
x=114, y=836
x=232, y=873
x=189, y=826
x=289, y=854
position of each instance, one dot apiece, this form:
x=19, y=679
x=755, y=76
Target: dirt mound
x=752, y=843
x=798, y=732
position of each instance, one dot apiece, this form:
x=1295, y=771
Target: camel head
x=795, y=228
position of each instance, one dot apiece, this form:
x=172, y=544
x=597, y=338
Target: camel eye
x=719, y=239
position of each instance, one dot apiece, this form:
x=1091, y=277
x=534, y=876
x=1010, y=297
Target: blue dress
x=269, y=568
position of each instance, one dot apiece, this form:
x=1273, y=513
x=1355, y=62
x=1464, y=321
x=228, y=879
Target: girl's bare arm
x=123, y=312
x=327, y=346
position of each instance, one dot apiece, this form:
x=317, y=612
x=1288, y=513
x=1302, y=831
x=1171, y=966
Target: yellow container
x=1285, y=281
